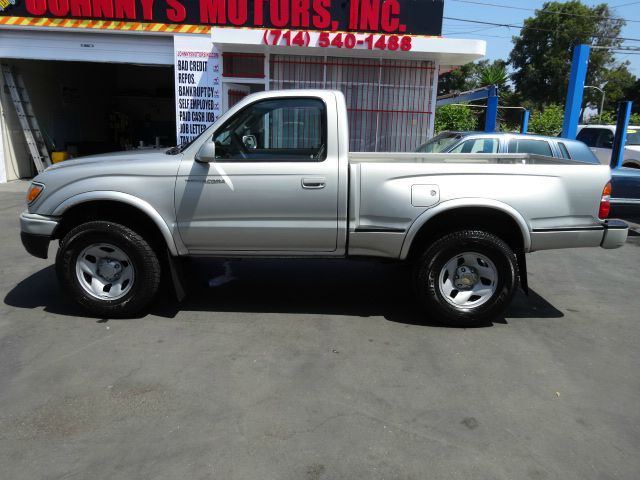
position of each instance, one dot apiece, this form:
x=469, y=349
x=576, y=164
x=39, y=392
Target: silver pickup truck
x=274, y=177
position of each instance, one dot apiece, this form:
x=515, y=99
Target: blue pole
x=491, y=121
x=525, y=121
x=575, y=91
x=620, y=140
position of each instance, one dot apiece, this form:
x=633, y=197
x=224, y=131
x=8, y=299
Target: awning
x=445, y=51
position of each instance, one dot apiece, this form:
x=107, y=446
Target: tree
x=474, y=75
x=633, y=93
x=455, y=117
x=547, y=121
x=457, y=80
x=493, y=74
x=542, y=53
x=619, y=81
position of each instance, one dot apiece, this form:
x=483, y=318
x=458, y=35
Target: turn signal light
x=605, y=202
x=34, y=190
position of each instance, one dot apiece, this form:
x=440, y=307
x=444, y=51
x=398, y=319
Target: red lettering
x=258, y=13
x=59, y=8
x=353, y=15
x=36, y=7
x=388, y=22
x=176, y=11
x=370, y=11
x=147, y=9
x=103, y=8
x=212, y=11
x=125, y=9
x=238, y=12
x=80, y=8
x=322, y=19
x=279, y=12
x=300, y=13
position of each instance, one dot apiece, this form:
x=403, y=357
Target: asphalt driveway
x=321, y=370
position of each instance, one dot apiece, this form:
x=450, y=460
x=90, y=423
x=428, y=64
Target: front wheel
x=108, y=269
x=466, y=278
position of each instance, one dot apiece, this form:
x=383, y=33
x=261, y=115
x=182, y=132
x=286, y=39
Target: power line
x=521, y=27
x=625, y=4
x=546, y=12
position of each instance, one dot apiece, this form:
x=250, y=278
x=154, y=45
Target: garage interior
x=86, y=108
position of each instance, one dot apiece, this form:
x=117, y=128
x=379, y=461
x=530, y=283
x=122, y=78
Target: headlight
x=34, y=192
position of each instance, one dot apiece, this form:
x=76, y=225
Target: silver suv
x=482, y=142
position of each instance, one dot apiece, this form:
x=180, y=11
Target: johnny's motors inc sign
x=408, y=17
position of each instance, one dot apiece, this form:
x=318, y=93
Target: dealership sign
x=399, y=17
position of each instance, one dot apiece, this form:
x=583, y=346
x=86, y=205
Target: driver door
x=272, y=188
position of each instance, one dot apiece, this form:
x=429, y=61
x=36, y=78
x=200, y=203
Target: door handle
x=315, y=183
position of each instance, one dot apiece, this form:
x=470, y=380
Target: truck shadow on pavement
x=306, y=287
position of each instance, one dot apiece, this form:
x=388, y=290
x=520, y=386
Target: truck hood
x=126, y=156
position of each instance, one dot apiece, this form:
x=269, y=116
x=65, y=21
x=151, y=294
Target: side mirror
x=250, y=142
x=207, y=153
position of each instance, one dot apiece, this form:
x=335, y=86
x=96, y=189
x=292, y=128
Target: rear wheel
x=466, y=278
x=108, y=269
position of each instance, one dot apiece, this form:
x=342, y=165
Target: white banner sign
x=198, y=71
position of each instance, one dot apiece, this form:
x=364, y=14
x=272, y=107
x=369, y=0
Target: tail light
x=605, y=202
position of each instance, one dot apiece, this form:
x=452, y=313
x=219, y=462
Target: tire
x=466, y=278
x=108, y=269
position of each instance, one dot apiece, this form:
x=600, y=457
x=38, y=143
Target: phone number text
x=301, y=38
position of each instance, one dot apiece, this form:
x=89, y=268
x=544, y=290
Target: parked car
x=600, y=139
x=625, y=181
x=498, y=142
x=464, y=222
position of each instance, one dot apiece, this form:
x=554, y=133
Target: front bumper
x=615, y=234
x=36, y=232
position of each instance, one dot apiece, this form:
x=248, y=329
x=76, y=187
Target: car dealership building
x=105, y=75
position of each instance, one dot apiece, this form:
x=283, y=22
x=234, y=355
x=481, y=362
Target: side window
x=277, y=130
x=563, y=151
x=605, y=139
x=478, y=145
x=536, y=147
x=581, y=153
x=589, y=136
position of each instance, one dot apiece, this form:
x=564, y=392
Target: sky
x=499, y=38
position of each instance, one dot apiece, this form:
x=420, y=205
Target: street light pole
x=601, y=102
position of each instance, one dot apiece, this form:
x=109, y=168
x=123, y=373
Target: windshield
x=439, y=143
x=633, y=136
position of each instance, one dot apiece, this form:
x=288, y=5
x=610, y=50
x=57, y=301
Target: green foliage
x=475, y=75
x=619, y=81
x=608, y=118
x=547, y=121
x=455, y=117
x=493, y=74
x=457, y=80
x=541, y=56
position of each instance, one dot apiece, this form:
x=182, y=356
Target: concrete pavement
x=321, y=370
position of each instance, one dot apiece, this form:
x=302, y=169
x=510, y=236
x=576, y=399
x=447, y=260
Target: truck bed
x=393, y=193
